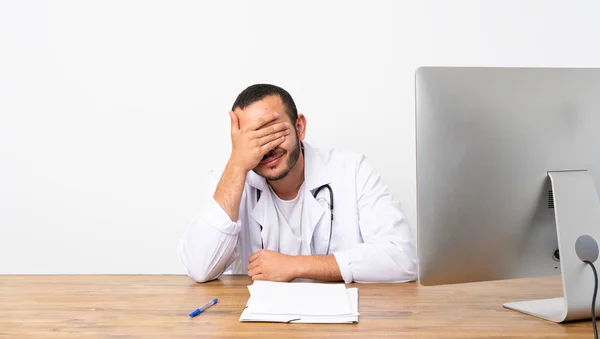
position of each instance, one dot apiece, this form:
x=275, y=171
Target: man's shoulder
x=339, y=155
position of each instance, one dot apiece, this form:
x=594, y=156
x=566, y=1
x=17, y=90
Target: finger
x=258, y=277
x=267, y=139
x=271, y=145
x=253, y=265
x=254, y=256
x=282, y=126
x=235, y=122
x=262, y=120
x=254, y=271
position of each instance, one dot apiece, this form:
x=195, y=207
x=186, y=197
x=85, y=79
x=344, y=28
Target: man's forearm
x=321, y=267
x=229, y=190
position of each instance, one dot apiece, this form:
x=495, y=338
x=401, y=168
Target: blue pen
x=203, y=307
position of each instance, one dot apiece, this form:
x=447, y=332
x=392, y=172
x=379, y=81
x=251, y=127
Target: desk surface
x=158, y=306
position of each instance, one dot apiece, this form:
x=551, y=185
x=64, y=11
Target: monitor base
x=577, y=213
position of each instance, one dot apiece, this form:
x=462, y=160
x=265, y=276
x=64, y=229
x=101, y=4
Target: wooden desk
x=158, y=306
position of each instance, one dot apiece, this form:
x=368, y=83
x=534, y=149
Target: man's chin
x=271, y=174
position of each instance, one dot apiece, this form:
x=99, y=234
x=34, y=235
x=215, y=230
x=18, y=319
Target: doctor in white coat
x=282, y=210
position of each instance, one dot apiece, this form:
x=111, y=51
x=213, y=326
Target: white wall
x=111, y=111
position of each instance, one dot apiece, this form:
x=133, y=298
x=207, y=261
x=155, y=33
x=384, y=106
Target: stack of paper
x=301, y=303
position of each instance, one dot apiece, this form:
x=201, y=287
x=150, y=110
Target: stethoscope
x=330, y=204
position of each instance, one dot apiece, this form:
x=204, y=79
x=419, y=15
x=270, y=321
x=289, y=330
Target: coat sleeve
x=387, y=253
x=208, y=245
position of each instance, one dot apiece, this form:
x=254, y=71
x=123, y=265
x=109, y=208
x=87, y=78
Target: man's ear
x=301, y=126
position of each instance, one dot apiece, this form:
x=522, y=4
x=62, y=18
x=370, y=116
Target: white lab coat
x=371, y=239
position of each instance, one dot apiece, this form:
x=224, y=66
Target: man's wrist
x=299, y=269
x=234, y=167
x=322, y=267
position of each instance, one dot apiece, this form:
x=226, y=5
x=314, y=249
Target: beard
x=290, y=163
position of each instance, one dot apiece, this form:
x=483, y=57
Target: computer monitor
x=508, y=168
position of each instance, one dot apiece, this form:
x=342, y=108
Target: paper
x=301, y=303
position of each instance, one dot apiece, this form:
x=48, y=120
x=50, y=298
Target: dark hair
x=258, y=92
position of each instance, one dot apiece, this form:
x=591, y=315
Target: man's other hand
x=272, y=266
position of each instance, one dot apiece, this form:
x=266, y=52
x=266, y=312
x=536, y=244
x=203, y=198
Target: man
x=269, y=212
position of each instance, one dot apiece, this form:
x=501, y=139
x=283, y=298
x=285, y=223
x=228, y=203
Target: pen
x=203, y=307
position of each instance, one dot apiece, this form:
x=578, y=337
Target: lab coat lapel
x=264, y=212
x=316, y=174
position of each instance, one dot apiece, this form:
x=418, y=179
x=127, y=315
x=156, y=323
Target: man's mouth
x=271, y=157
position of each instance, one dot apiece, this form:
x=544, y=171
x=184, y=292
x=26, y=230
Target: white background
x=111, y=112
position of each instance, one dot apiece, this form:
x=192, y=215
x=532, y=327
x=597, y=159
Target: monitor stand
x=577, y=212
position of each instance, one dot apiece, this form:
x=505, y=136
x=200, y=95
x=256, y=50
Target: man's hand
x=251, y=143
x=272, y=266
